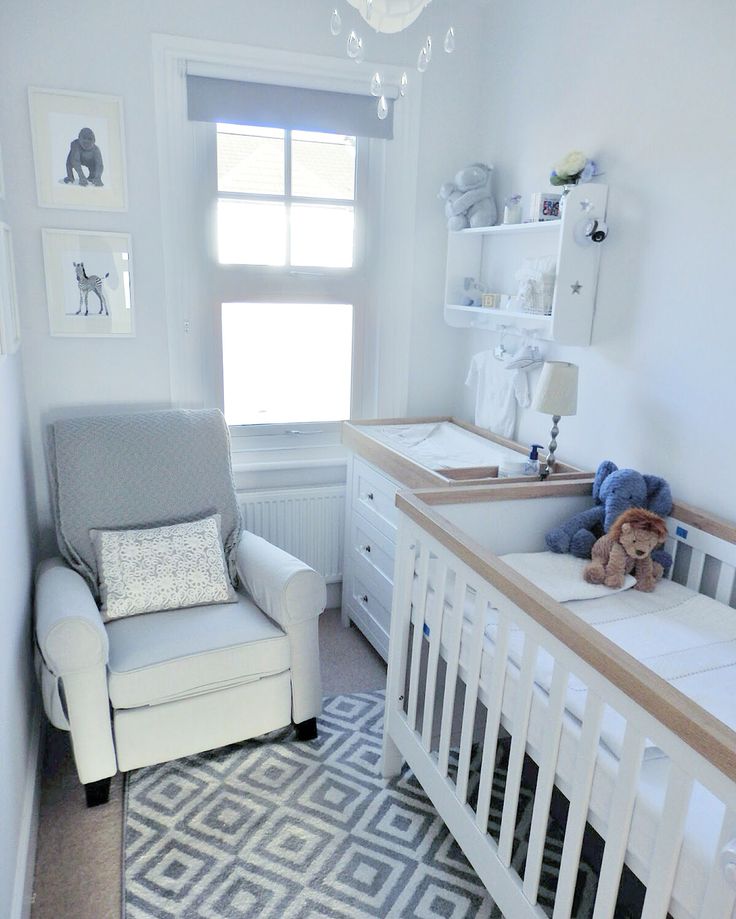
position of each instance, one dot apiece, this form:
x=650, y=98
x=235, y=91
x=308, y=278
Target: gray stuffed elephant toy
x=614, y=490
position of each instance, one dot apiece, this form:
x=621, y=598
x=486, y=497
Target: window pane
x=251, y=232
x=250, y=159
x=323, y=165
x=286, y=362
x=322, y=236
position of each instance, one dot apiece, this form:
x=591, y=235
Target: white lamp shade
x=389, y=15
x=557, y=389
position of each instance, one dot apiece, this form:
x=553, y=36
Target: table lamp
x=556, y=395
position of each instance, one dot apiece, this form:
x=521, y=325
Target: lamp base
x=550, y=464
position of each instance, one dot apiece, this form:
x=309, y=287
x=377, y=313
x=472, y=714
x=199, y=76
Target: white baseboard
x=26, y=861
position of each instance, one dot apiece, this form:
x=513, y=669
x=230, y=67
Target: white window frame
x=293, y=284
x=381, y=359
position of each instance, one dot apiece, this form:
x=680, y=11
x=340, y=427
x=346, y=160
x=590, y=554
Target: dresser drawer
x=374, y=496
x=365, y=598
x=370, y=547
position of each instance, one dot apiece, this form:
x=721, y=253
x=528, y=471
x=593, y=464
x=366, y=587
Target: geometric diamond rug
x=277, y=829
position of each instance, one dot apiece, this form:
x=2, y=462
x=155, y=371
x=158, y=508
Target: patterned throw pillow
x=160, y=568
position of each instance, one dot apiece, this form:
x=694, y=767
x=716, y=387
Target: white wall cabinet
x=493, y=256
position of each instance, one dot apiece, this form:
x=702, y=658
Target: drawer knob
x=370, y=496
x=364, y=598
x=365, y=548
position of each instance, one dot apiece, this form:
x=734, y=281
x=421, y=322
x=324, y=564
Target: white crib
x=670, y=818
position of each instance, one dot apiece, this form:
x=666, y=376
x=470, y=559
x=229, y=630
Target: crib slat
x=545, y=782
x=587, y=753
x=493, y=723
x=406, y=558
x=453, y=658
x=670, y=545
x=720, y=897
x=619, y=823
x=518, y=748
x=667, y=845
x=695, y=571
x=416, y=651
x=725, y=583
x=435, y=643
x=472, y=678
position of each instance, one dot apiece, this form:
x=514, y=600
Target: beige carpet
x=78, y=862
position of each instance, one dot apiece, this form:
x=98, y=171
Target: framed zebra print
x=89, y=286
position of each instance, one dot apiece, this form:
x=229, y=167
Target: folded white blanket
x=561, y=576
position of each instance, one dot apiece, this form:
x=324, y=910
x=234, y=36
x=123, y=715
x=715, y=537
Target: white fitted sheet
x=690, y=640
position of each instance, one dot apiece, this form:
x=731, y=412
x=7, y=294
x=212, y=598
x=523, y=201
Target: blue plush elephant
x=614, y=490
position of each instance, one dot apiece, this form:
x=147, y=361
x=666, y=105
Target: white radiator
x=307, y=522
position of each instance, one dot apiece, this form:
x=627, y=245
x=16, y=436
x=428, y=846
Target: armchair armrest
x=69, y=629
x=73, y=644
x=287, y=590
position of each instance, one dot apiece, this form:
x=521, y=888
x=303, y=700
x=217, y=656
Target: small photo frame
x=88, y=283
x=544, y=206
x=9, y=318
x=78, y=150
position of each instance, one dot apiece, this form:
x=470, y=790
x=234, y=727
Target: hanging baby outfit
x=497, y=393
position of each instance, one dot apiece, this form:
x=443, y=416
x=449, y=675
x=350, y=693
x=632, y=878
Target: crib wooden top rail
x=701, y=731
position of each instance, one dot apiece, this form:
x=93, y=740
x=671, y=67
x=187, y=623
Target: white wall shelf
x=493, y=255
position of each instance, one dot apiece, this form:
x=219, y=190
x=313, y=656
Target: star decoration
x=586, y=205
x=576, y=287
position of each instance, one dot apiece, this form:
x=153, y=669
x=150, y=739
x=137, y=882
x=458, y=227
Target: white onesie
x=497, y=391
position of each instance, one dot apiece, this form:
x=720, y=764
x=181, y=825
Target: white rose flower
x=571, y=164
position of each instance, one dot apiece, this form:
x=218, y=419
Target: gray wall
x=17, y=690
x=650, y=90
x=46, y=47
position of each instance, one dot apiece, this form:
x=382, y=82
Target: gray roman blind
x=266, y=105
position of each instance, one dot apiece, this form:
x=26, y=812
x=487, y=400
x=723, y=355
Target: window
x=300, y=369
x=285, y=198
x=288, y=273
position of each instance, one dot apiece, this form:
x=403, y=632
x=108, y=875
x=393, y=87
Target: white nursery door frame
x=381, y=368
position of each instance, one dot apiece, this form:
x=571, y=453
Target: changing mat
x=442, y=445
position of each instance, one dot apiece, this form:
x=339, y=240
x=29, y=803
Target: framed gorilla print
x=78, y=150
x=88, y=283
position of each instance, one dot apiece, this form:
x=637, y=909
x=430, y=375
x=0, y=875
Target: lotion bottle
x=531, y=467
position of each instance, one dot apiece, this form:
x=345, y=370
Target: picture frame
x=78, y=150
x=544, y=206
x=9, y=317
x=89, y=287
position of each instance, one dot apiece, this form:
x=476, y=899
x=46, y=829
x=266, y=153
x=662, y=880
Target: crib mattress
x=688, y=639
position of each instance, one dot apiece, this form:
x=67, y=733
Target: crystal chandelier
x=388, y=16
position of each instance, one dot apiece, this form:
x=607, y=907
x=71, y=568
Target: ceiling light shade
x=557, y=389
x=389, y=15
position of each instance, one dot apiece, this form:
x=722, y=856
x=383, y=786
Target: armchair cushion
x=159, y=568
x=160, y=657
x=285, y=588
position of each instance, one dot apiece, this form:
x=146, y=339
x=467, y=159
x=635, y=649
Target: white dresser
x=368, y=559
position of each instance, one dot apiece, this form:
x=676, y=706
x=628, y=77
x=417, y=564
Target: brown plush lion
x=627, y=548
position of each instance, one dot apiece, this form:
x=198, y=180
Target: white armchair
x=157, y=686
